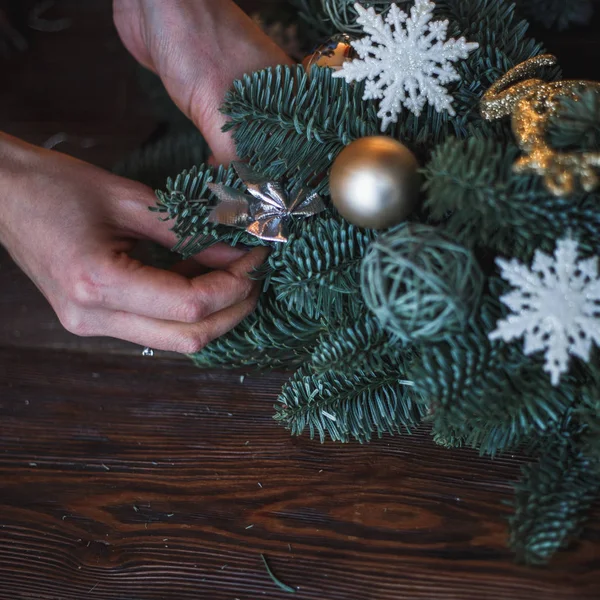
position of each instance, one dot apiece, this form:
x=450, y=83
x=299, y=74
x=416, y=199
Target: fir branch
x=312, y=14
x=318, y=269
x=292, y=125
x=188, y=201
x=327, y=17
x=502, y=39
x=576, y=125
x=474, y=192
x=495, y=26
x=342, y=15
x=353, y=381
x=551, y=501
x=446, y=435
x=154, y=163
x=588, y=416
x=354, y=344
x=346, y=406
x=490, y=396
x=270, y=338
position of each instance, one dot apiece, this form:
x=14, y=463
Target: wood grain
x=124, y=478
x=134, y=478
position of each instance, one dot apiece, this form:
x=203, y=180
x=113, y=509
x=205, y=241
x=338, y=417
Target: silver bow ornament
x=265, y=212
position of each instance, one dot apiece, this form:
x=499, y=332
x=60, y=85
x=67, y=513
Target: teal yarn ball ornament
x=421, y=286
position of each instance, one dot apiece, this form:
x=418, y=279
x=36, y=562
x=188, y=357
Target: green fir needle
x=277, y=582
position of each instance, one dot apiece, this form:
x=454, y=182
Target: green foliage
x=332, y=16
x=291, y=124
x=187, y=201
x=311, y=13
x=488, y=395
x=348, y=406
x=588, y=416
x=270, y=338
x=354, y=343
x=319, y=267
x=354, y=380
x=551, y=501
x=576, y=126
x=152, y=164
x=472, y=189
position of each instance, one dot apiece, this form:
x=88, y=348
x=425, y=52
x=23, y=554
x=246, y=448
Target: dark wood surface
x=124, y=478
x=141, y=479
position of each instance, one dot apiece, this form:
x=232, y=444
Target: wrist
x=17, y=163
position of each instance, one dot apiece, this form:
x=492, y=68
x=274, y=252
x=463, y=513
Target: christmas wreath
x=429, y=188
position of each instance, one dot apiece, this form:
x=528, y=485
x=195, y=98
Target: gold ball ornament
x=333, y=54
x=375, y=182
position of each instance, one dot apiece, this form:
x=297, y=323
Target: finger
x=172, y=336
x=221, y=256
x=131, y=215
x=189, y=268
x=127, y=285
x=133, y=218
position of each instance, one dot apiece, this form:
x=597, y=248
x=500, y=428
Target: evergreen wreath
x=391, y=329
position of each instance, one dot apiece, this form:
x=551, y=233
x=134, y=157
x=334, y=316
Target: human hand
x=198, y=48
x=71, y=226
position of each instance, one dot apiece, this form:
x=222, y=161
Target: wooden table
x=128, y=478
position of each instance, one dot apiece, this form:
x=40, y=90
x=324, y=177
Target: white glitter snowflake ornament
x=556, y=306
x=405, y=60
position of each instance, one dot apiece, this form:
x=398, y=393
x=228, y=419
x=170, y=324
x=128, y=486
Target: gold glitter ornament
x=375, y=182
x=532, y=104
x=334, y=53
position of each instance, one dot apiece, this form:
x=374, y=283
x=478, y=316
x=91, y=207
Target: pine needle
x=277, y=582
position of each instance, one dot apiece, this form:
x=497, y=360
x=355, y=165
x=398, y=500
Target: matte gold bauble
x=375, y=182
x=333, y=54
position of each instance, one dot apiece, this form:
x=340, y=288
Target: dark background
x=137, y=479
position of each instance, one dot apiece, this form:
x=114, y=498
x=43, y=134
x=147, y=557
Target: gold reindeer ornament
x=532, y=104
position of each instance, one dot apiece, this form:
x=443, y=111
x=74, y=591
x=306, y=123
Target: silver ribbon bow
x=265, y=212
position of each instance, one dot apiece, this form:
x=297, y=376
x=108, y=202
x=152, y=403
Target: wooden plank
x=143, y=479
x=138, y=479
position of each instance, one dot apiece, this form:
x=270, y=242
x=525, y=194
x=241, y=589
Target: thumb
x=133, y=217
